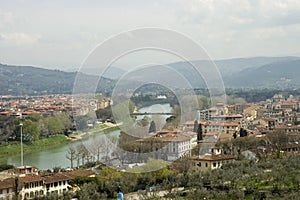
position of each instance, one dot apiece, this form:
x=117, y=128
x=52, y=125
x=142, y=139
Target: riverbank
x=105, y=127
x=14, y=148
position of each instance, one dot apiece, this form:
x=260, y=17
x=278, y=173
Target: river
x=56, y=156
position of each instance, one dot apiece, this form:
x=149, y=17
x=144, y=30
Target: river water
x=56, y=156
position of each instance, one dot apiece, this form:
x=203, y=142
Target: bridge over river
x=153, y=113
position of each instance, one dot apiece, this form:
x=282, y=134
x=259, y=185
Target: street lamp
x=21, y=125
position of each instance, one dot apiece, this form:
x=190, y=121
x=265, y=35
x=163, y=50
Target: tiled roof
x=7, y=183
x=214, y=157
x=166, y=138
x=55, y=178
x=29, y=178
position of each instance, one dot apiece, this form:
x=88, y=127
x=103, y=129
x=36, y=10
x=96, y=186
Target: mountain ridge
x=254, y=72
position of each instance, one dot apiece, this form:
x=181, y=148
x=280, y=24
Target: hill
x=28, y=80
x=262, y=72
x=236, y=73
x=281, y=74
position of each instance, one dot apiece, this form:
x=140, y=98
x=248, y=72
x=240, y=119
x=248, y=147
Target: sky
x=60, y=34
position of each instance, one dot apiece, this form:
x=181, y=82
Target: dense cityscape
x=221, y=137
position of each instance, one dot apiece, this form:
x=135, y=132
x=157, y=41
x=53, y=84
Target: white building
x=169, y=145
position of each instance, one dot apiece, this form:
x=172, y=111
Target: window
x=206, y=165
x=1, y=191
x=214, y=164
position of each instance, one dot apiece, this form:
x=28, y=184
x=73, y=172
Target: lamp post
x=21, y=125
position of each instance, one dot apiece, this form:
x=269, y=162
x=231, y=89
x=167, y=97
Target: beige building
x=31, y=183
x=7, y=189
x=211, y=161
x=251, y=112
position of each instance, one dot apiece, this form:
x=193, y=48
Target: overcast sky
x=61, y=33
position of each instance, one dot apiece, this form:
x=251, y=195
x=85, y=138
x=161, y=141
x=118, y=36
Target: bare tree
x=84, y=153
x=71, y=155
x=278, y=141
x=109, y=145
x=97, y=148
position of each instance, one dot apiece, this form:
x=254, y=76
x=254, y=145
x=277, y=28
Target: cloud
x=226, y=28
x=235, y=13
x=18, y=39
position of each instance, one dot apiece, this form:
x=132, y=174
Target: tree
x=53, y=125
x=234, y=135
x=97, y=148
x=81, y=122
x=35, y=117
x=152, y=128
x=243, y=132
x=65, y=120
x=159, y=121
x=199, y=133
x=278, y=141
x=32, y=128
x=104, y=114
x=196, y=125
x=89, y=191
x=8, y=127
x=84, y=153
x=71, y=155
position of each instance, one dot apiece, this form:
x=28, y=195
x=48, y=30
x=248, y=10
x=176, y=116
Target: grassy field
x=14, y=148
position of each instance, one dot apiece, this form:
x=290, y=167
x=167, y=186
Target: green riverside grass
x=13, y=148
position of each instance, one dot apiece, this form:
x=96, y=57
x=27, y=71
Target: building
x=28, y=183
x=168, y=145
x=7, y=189
x=30, y=186
x=57, y=183
x=212, y=161
x=229, y=127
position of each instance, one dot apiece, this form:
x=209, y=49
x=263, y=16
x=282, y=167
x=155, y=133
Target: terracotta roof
x=7, y=183
x=210, y=134
x=55, y=178
x=214, y=157
x=228, y=116
x=190, y=133
x=29, y=178
x=296, y=127
x=192, y=122
x=166, y=138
